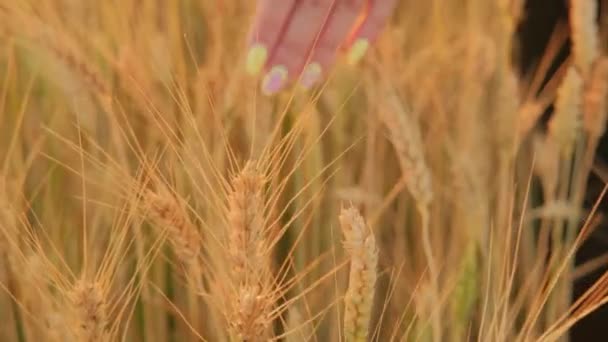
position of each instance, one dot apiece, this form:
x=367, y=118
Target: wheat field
x=149, y=192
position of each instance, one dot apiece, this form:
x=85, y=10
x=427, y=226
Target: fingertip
x=275, y=80
x=269, y=21
x=357, y=51
x=311, y=75
x=256, y=59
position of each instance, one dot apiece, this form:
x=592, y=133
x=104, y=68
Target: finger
x=336, y=31
x=293, y=49
x=375, y=20
x=271, y=17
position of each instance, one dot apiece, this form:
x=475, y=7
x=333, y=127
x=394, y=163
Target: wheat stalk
x=507, y=95
x=8, y=225
x=33, y=284
x=298, y=327
x=466, y=292
x=360, y=244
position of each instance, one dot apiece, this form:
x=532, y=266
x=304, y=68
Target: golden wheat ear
x=166, y=212
x=90, y=311
x=594, y=101
x=360, y=244
x=585, y=41
x=565, y=125
x=252, y=285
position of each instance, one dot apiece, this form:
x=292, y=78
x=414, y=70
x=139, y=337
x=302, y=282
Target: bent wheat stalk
x=405, y=136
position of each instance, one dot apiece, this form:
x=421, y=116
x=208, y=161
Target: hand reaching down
x=299, y=40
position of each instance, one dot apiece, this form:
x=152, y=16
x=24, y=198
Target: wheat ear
x=90, y=311
x=565, y=124
x=594, y=102
x=360, y=244
x=584, y=32
x=405, y=136
x=167, y=213
x=248, y=246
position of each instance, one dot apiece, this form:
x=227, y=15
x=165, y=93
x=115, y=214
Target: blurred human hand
x=299, y=40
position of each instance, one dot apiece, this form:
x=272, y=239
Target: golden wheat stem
x=466, y=292
x=427, y=246
x=594, y=120
x=566, y=128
